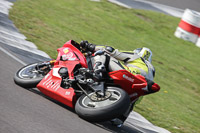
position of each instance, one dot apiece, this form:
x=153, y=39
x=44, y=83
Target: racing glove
x=85, y=45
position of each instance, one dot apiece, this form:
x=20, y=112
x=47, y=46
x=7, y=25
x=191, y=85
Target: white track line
x=16, y=39
x=15, y=58
x=177, y=12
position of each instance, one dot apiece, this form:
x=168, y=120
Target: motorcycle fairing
x=133, y=84
x=72, y=53
x=50, y=84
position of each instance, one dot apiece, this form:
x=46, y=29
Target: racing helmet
x=144, y=53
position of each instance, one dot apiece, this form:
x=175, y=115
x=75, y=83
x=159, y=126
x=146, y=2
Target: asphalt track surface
x=170, y=7
x=182, y=4
x=29, y=111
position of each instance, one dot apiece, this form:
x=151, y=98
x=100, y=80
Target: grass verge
x=49, y=24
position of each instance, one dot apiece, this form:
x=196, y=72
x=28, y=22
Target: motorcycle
x=71, y=80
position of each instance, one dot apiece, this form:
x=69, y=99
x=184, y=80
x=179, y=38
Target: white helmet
x=145, y=53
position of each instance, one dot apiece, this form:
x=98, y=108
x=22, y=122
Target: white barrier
x=198, y=42
x=185, y=35
x=191, y=17
x=189, y=26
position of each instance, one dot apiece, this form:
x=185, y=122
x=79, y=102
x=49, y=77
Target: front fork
x=45, y=67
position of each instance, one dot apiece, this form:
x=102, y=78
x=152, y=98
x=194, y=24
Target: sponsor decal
x=49, y=79
x=50, y=84
x=55, y=72
x=67, y=56
x=46, y=76
x=67, y=93
x=72, y=59
x=128, y=78
x=66, y=50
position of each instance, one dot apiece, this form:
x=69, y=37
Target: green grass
x=50, y=23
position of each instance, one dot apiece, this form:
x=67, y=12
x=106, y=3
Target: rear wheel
x=115, y=103
x=28, y=76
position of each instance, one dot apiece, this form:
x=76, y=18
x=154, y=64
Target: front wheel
x=115, y=103
x=28, y=76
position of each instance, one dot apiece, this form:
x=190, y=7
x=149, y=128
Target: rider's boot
x=99, y=70
x=117, y=122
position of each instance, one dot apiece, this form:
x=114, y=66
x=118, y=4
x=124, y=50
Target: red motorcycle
x=71, y=80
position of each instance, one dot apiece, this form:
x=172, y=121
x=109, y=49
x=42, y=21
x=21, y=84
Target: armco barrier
x=189, y=26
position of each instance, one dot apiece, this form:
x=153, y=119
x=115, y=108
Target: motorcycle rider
x=109, y=59
x=136, y=62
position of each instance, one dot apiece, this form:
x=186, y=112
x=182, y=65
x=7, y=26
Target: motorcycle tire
x=26, y=77
x=104, y=110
